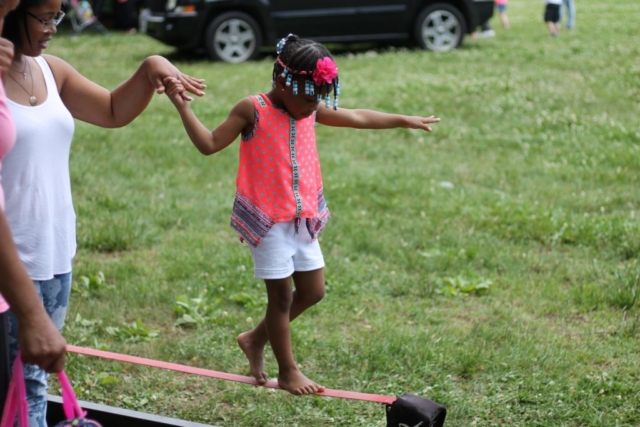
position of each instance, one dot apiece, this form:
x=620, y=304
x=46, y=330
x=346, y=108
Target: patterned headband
x=325, y=73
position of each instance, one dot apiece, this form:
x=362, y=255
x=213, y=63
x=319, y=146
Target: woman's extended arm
x=92, y=103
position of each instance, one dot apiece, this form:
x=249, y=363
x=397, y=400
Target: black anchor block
x=409, y=410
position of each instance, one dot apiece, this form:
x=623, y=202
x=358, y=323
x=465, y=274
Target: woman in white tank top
x=45, y=95
x=40, y=341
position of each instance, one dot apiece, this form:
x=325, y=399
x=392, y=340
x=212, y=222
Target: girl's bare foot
x=255, y=355
x=296, y=383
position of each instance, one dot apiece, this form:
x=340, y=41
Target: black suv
x=236, y=30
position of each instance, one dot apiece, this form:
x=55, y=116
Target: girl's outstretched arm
x=369, y=119
x=91, y=103
x=209, y=142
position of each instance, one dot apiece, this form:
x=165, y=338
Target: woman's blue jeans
x=54, y=294
x=571, y=13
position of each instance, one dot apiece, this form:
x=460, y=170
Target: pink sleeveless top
x=7, y=139
x=279, y=177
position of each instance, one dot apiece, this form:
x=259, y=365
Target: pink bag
x=16, y=403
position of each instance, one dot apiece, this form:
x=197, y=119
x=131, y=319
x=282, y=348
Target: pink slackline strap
x=222, y=375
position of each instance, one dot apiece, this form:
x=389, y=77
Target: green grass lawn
x=491, y=266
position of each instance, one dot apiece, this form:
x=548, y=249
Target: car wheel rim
x=441, y=31
x=234, y=41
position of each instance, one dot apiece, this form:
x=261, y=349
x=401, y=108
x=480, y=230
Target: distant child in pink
x=502, y=13
x=279, y=207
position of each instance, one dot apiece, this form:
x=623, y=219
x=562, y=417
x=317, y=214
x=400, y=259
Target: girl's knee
x=313, y=296
x=280, y=298
x=319, y=295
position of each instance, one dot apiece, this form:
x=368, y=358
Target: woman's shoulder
x=58, y=66
x=52, y=59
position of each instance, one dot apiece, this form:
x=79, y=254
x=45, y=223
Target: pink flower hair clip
x=326, y=70
x=326, y=73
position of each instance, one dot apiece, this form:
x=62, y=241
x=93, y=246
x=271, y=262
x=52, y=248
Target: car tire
x=440, y=27
x=233, y=37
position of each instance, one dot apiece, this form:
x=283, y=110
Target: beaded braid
x=300, y=57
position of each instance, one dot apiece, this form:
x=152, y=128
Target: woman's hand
x=160, y=68
x=6, y=54
x=41, y=343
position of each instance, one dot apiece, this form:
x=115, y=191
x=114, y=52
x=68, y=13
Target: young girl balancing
x=279, y=207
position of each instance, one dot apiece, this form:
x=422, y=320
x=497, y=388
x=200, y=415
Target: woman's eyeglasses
x=49, y=23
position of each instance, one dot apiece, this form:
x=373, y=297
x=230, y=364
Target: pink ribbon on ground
x=223, y=375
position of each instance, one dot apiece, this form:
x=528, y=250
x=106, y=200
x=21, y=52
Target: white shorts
x=282, y=252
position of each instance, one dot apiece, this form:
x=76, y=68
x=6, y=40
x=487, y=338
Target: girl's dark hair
x=17, y=18
x=302, y=55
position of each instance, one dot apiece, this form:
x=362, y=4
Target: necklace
x=32, y=99
x=24, y=69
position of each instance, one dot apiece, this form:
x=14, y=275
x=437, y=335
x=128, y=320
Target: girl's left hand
x=422, y=122
x=160, y=68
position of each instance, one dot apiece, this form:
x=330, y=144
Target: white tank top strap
x=49, y=79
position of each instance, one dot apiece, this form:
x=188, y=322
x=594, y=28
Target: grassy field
x=491, y=266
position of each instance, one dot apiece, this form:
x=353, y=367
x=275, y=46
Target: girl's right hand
x=160, y=68
x=175, y=90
